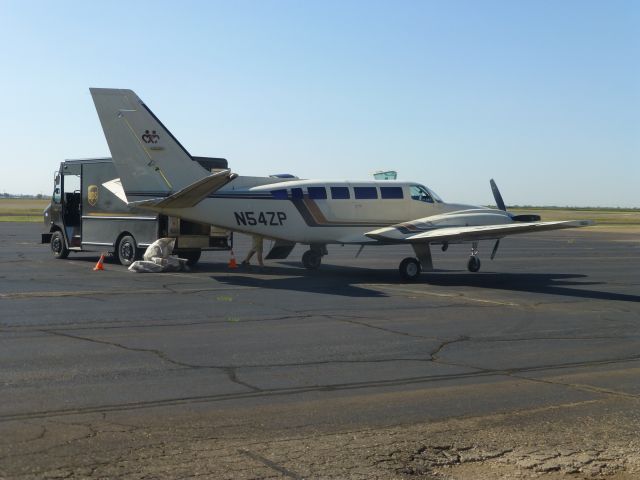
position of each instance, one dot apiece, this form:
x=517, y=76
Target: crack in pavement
x=231, y=368
x=580, y=386
x=375, y=327
x=114, y=324
x=228, y=370
x=270, y=464
x=231, y=372
x=434, y=354
x=297, y=391
x=158, y=353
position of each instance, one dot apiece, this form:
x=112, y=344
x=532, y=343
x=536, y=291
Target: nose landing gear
x=473, y=265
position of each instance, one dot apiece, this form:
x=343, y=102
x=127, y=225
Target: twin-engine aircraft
x=157, y=173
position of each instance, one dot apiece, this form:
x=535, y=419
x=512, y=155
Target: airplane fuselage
x=325, y=212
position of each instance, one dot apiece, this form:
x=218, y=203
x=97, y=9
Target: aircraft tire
x=410, y=269
x=474, y=264
x=311, y=259
x=58, y=247
x=127, y=251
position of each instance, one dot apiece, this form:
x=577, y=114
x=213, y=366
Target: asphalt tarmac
x=529, y=368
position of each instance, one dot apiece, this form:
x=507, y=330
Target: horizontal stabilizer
x=191, y=195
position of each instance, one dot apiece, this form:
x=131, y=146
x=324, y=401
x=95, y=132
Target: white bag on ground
x=157, y=258
x=162, y=248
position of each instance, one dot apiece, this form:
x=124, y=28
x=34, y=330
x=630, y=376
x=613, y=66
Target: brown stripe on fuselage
x=320, y=219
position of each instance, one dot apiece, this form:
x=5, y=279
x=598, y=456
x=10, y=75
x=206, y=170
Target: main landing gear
x=410, y=269
x=473, y=265
x=312, y=258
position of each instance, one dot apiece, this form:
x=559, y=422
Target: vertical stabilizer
x=149, y=160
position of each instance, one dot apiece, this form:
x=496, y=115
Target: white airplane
x=157, y=173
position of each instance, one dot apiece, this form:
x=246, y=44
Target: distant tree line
x=533, y=207
x=39, y=196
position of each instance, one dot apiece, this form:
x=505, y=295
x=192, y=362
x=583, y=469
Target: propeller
x=501, y=206
x=495, y=249
x=497, y=196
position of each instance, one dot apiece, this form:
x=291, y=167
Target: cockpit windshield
x=423, y=194
x=435, y=196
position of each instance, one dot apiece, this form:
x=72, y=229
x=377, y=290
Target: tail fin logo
x=152, y=137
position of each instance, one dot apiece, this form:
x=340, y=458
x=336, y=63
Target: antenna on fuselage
x=385, y=175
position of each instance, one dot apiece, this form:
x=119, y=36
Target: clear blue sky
x=543, y=96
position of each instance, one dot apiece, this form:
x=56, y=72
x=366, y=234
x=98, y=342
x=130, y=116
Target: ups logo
x=92, y=195
x=152, y=137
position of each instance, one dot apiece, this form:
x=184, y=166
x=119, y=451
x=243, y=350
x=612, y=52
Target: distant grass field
x=22, y=210
x=602, y=216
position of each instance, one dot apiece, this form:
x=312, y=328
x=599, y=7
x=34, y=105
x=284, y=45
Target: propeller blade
x=497, y=196
x=495, y=249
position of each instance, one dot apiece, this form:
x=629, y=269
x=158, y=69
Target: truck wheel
x=127, y=250
x=192, y=256
x=58, y=246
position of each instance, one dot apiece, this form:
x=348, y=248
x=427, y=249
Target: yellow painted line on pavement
x=130, y=291
x=457, y=296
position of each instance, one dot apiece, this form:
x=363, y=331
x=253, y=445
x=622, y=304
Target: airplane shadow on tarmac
x=330, y=280
x=343, y=281
x=545, y=283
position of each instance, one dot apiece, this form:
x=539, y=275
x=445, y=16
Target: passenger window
x=365, y=193
x=279, y=194
x=340, y=193
x=296, y=193
x=421, y=194
x=391, y=192
x=317, y=193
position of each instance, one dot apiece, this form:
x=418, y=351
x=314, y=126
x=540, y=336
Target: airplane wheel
x=127, y=250
x=474, y=264
x=311, y=259
x=58, y=248
x=410, y=269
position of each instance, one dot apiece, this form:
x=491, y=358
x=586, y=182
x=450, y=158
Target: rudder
x=149, y=159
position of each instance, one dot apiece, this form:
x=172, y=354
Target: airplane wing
x=191, y=195
x=470, y=233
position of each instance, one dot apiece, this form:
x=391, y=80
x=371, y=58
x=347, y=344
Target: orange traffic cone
x=100, y=264
x=232, y=261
